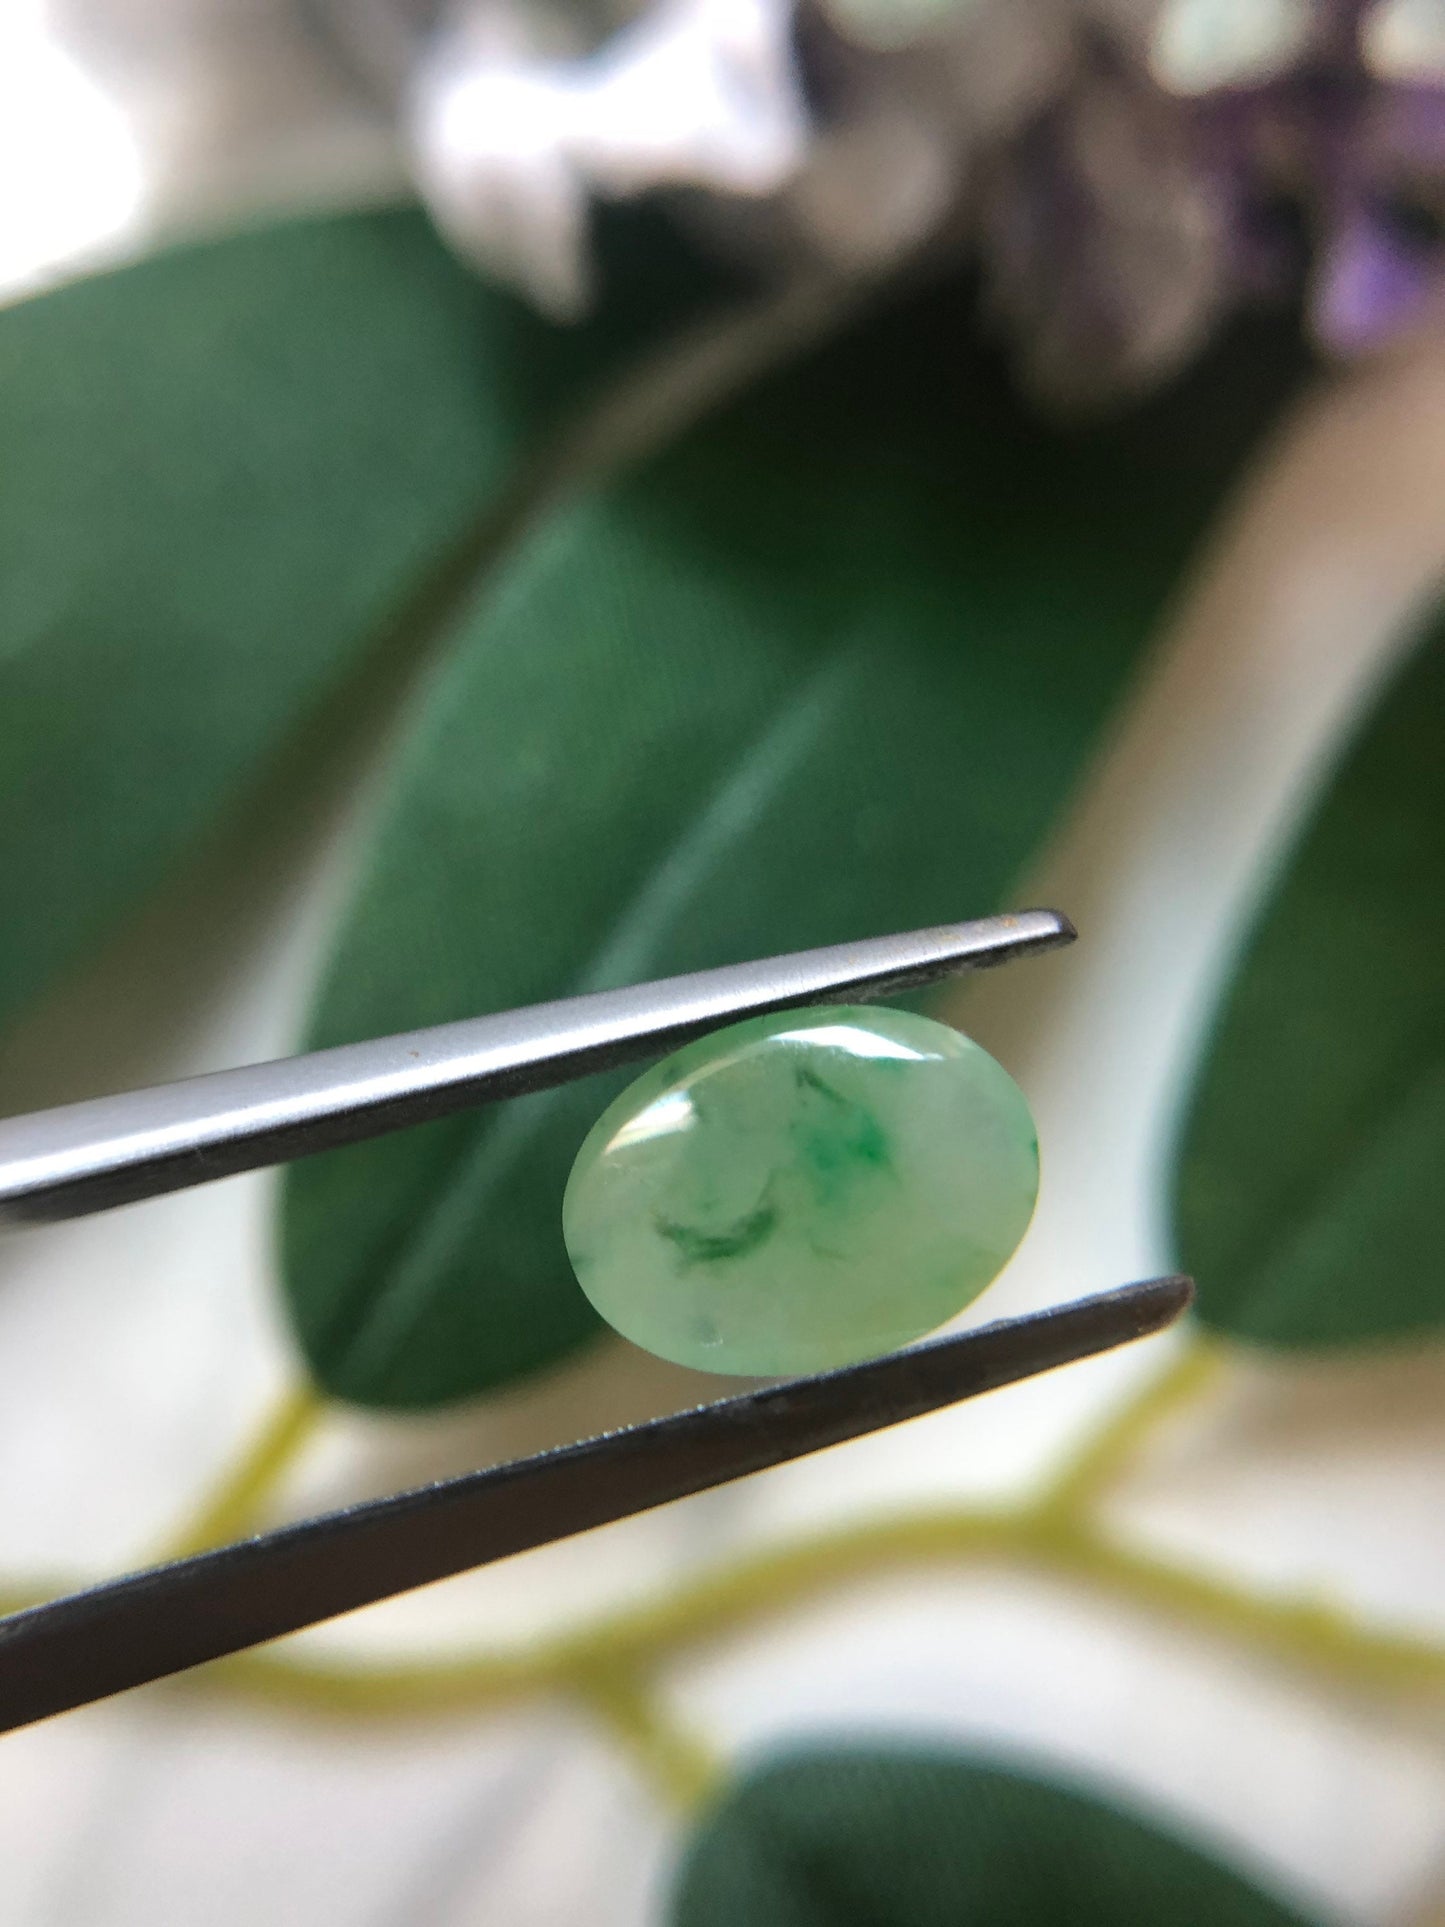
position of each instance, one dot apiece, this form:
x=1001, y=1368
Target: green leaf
x=915, y=1838
x=1308, y=1201
x=825, y=669
x=229, y=472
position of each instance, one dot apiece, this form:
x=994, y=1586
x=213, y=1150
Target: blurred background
x=500, y=498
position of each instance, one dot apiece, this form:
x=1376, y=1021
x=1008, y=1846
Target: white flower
x=1404, y=40
x=1202, y=44
x=855, y=170
x=510, y=147
x=1113, y=165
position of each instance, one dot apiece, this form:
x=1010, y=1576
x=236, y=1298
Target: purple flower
x=1125, y=172
x=1332, y=170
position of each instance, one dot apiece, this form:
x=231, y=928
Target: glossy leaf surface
x=910, y=1838
x=826, y=668
x=1309, y=1180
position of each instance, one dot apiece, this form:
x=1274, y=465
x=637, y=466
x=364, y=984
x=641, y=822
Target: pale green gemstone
x=802, y=1190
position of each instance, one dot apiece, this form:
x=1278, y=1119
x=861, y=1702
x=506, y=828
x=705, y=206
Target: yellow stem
x=672, y=1759
x=639, y=1637
x=1311, y=1633
x=1090, y=1471
x=230, y=1509
x=1315, y=1633
x=606, y=1664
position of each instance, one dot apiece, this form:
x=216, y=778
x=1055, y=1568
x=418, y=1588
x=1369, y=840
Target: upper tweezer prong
x=85, y=1157
x=151, y=1624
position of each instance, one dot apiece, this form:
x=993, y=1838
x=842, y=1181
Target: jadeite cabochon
x=802, y=1190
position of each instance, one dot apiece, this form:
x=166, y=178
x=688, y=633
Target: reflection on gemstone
x=673, y=1111
x=798, y=1192
x=853, y=1039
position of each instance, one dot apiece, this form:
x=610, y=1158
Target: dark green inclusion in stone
x=802, y=1190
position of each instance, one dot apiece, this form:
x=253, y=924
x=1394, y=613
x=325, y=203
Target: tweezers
x=90, y=1156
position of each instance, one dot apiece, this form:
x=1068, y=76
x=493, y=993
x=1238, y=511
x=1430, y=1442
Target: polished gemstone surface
x=802, y=1190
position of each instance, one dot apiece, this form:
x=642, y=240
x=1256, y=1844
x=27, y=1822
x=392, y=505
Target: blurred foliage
x=1307, y=1206
x=828, y=664
x=827, y=668
x=897, y=1837
x=231, y=474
